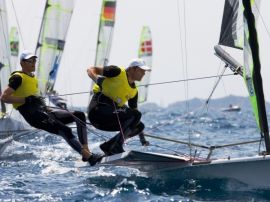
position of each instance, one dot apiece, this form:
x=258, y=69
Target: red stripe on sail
x=108, y=13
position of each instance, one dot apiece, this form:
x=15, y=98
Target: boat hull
x=252, y=171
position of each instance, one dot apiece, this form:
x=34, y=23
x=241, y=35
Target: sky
x=184, y=34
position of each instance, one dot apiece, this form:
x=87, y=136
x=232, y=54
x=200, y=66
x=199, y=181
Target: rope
x=121, y=129
x=199, y=145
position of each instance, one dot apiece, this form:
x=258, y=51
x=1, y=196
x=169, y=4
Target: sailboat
x=252, y=170
x=105, y=35
x=51, y=43
x=231, y=108
x=145, y=52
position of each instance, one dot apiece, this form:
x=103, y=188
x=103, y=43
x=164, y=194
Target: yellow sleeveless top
x=29, y=86
x=117, y=88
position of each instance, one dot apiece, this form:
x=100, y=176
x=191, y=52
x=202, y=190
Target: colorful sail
x=14, y=46
x=231, y=33
x=105, y=33
x=145, y=52
x=51, y=42
x=5, y=69
x=252, y=68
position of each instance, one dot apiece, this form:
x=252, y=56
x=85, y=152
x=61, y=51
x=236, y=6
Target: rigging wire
x=160, y=83
x=184, y=55
x=263, y=21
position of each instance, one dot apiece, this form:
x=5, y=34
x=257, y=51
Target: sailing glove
x=99, y=81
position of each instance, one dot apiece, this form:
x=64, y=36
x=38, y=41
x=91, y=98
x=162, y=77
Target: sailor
x=114, y=86
x=23, y=93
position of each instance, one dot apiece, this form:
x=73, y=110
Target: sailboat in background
x=252, y=171
x=50, y=46
x=105, y=34
x=145, y=52
x=14, y=47
x=231, y=108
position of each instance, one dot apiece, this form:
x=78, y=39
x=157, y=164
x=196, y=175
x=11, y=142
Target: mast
x=256, y=74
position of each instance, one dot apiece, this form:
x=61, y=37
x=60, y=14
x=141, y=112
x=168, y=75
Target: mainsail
x=105, y=33
x=51, y=42
x=145, y=52
x=5, y=68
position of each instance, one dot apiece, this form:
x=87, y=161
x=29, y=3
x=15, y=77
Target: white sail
x=5, y=68
x=51, y=42
x=105, y=34
x=145, y=52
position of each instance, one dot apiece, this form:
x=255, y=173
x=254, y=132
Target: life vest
x=29, y=86
x=117, y=88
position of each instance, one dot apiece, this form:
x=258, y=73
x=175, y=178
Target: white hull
x=253, y=171
x=12, y=128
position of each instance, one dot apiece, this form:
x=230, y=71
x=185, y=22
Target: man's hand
x=143, y=141
x=99, y=81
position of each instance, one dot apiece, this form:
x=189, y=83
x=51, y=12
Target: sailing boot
x=87, y=156
x=139, y=131
x=94, y=158
x=113, y=146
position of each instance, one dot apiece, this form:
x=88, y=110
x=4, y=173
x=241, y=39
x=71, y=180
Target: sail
x=14, y=47
x=252, y=69
x=145, y=52
x=105, y=34
x=231, y=33
x=51, y=42
x=5, y=69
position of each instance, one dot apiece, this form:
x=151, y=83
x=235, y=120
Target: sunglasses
x=32, y=60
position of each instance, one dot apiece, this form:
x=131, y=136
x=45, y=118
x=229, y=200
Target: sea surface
x=41, y=167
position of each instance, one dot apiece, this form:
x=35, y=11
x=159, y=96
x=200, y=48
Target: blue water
x=41, y=167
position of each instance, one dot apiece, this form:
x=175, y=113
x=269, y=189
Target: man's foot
x=94, y=159
x=85, y=153
x=111, y=149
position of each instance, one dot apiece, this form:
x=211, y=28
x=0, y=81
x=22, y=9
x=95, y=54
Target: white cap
x=138, y=62
x=26, y=54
